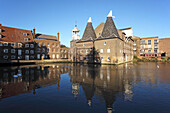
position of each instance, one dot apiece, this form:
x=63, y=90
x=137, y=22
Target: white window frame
x=5, y=50
x=12, y=50
x=32, y=45
x=105, y=43
x=5, y=57
x=101, y=50
x=87, y=51
x=25, y=39
x=26, y=45
x=12, y=44
x=5, y=44
x=108, y=50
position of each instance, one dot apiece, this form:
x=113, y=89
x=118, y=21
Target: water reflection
x=106, y=82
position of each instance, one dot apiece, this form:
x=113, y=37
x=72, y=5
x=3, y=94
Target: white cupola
x=75, y=33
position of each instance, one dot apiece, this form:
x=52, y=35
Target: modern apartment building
x=149, y=46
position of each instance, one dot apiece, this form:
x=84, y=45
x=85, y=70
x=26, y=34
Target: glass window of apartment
x=81, y=51
x=5, y=44
x=61, y=50
x=48, y=49
x=53, y=50
x=65, y=51
x=142, y=41
x=26, y=45
x=155, y=50
x=149, y=51
x=38, y=49
x=32, y=51
x=12, y=57
x=149, y=42
x=5, y=57
x=12, y=50
x=38, y=44
x=83, y=44
x=32, y=57
x=27, y=51
x=101, y=50
x=65, y=56
x=108, y=50
x=43, y=44
x=1, y=44
x=48, y=44
x=104, y=43
x=12, y=44
x=32, y=45
x=156, y=41
x=61, y=55
x=25, y=34
x=5, y=50
x=155, y=45
x=53, y=44
x=57, y=45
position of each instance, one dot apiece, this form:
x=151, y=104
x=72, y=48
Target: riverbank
x=151, y=59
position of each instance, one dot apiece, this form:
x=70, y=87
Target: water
x=65, y=88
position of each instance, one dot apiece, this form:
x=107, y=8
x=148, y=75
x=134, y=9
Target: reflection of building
x=108, y=46
x=164, y=47
x=104, y=81
x=149, y=46
x=64, y=52
x=29, y=78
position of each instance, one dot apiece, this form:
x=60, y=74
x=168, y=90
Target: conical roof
x=89, y=32
x=109, y=29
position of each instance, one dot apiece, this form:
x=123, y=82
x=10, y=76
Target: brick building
x=111, y=46
x=164, y=47
x=20, y=44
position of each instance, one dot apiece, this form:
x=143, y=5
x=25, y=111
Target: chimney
x=58, y=36
x=34, y=32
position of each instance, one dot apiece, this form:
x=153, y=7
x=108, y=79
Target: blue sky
x=146, y=17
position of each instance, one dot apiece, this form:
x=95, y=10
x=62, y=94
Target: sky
x=148, y=18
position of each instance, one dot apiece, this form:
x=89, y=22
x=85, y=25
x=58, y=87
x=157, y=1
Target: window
x=1, y=44
x=108, y=50
x=142, y=41
x=83, y=44
x=5, y=44
x=38, y=49
x=0, y=30
x=156, y=41
x=56, y=50
x=53, y=44
x=25, y=34
x=32, y=57
x=12, y=44
x=48, y=44
x=101, y=58
x=43, y=50
x=65, y=56
x=108, y=58
x=5, y=50
x=149, y=42
x=27, y=51
x=104, y=43
x=155, y=45
x=26, y=39
x=12, y=57
x=5, y=57
x=101, y=50
x=57, y=45
x=32, y=45
x=26, y=45
x=149, y=51
x=53, y=50
x=38, y=44
x=87, y=51
x=32, y=51
x=0, y=36
x=61, y=50
x=65, y=51
x=61, y=56
x=81, y=51
x=12, y=50
x=87, y=58
x=155, y=50
x=19, y=44
x=43, y=44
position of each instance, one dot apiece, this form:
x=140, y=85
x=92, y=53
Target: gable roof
x=10, y=34
x=43, y=36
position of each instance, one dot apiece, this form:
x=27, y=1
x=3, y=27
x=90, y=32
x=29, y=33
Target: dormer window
x=26, y=39
x=25, y=34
